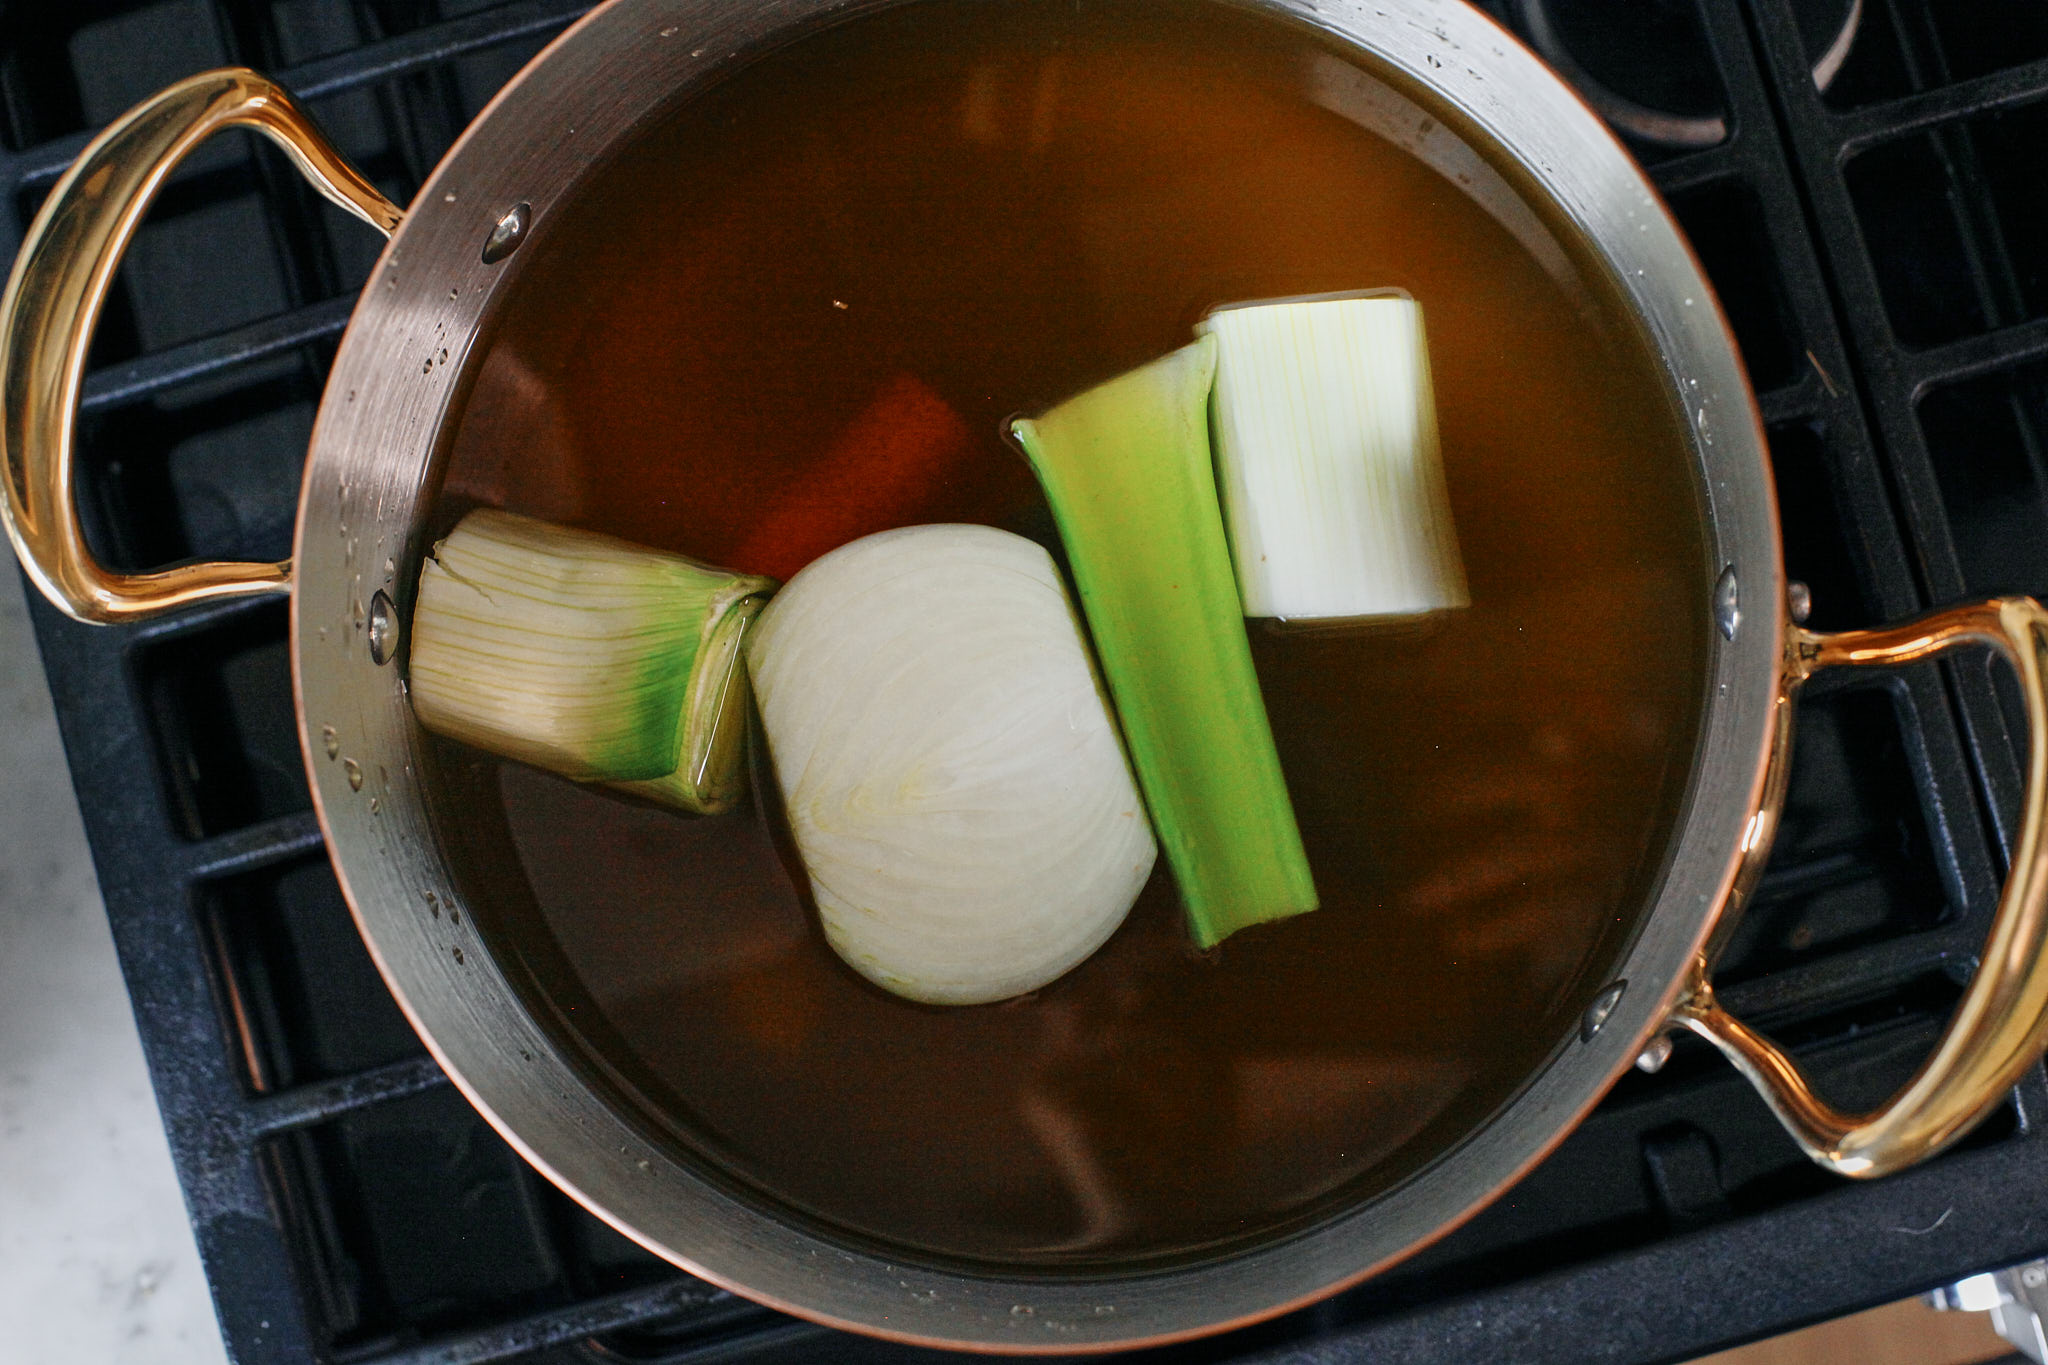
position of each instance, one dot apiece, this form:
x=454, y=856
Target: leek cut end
x=1328, y=459
x=1158, y=401
x=1291, y=892
x=710, y=773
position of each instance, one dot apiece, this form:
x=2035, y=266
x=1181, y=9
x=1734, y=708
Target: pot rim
x=369, y=472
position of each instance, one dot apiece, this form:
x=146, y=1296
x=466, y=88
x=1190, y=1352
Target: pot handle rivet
x=1597, y=1013
x=1652, y=1059
x=1798, y=601
x=1727, y=612
x=508, y=233
x=384, y=628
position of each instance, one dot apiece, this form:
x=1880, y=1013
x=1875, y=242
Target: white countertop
x=96, y=1255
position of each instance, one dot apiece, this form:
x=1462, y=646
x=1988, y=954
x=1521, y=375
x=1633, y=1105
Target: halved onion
x=951, y=770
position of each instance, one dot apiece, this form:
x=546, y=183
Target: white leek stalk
x=1326, y=451
x=585, y=655
x=948, y=761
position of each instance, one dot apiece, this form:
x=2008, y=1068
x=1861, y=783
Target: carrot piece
x=906, y=446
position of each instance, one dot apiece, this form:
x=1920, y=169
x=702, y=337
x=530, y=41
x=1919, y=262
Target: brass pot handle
x=2000, y=1026
x=53, y=301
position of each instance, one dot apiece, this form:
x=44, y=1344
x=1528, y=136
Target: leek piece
x=585, y=655
x=1126, y=468
x=1326, y=450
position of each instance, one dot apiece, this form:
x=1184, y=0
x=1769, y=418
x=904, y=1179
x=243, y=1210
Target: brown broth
x=801, y=309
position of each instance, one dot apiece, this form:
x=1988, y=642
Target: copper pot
x=372, y=467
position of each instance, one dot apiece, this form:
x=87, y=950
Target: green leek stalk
x=591, y=657
x=1126, y=467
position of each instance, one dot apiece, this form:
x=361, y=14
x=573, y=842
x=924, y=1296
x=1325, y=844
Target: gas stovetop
x=1861, y=181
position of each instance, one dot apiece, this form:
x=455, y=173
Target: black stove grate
x=1879, y=250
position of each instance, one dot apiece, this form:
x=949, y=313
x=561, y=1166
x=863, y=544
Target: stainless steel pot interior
x=371, y=473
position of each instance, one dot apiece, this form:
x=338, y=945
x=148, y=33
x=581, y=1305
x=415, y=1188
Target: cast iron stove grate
x=1878, y=247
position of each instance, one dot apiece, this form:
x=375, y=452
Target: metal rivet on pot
x=1655, y=1055
x=508, y=234
x=1727, y=615
x=1798, y=601
x=383, y=627
x=1598, y=1012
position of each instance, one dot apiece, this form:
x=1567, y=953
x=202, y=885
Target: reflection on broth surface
x=800, y=310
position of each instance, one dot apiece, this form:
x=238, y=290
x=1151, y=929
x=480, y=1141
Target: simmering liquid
x=802, y=309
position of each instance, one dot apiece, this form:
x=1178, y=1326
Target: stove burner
x=1644, y=66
